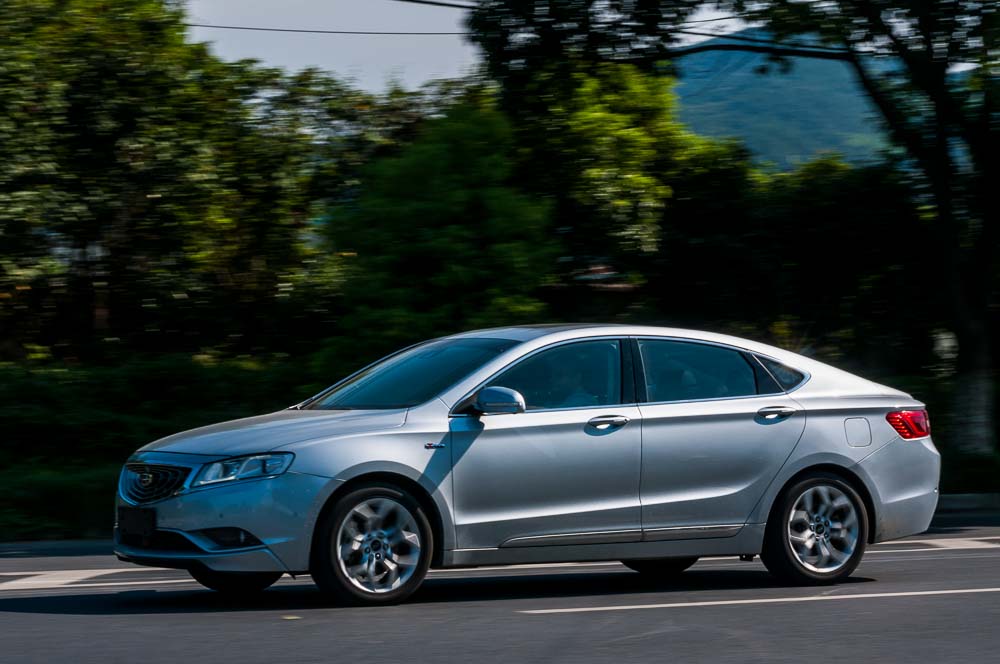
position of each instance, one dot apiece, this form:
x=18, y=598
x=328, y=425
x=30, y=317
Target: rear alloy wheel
x=374, y=547
x=660, y=568
x=234, y=583
x=818, y=532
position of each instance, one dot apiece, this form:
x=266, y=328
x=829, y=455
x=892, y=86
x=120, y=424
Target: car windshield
x=412, y=376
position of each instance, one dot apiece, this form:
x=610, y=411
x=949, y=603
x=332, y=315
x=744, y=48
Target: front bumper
x=280, y=512
x=903, y=478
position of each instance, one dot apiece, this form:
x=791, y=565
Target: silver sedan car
x=535, y=444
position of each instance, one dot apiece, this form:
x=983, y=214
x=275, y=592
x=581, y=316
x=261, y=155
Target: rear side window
x=786, y=376
x=681, y=371
x=766, y=384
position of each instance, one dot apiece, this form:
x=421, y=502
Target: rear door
x=716, y=428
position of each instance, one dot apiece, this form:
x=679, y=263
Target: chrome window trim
x=735, y=349
x=604, y=337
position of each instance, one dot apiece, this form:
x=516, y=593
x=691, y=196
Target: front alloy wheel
x=373, y=547
x=818, y=531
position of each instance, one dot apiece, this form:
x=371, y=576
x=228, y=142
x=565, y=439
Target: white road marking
x=113, y=584
x=65, y=577
x=56, y=578
x=958, y=543
x=764, y=600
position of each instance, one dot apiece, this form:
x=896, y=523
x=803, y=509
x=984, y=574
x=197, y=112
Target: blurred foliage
x=444, y=211
x=184, y=240
x=595, y=143
x=146, y=185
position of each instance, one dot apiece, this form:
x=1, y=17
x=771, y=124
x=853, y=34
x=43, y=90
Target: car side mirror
x=498, y=400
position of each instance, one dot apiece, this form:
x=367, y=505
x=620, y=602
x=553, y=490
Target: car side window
x=575, y=375
x=786, y=376
x=681, y=371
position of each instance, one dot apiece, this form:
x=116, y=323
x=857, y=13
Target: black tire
x=326, y=568
x=778, y=555
x=660, y=568
x=234, y=583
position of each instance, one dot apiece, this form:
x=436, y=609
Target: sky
x=370, y=61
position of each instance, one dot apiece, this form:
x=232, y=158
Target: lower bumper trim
x=252, y=560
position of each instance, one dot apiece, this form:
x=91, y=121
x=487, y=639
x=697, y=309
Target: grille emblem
x=145, y=483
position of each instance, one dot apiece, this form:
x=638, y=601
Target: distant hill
x=818, y=106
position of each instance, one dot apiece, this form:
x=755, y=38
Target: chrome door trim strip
x=690, y=532
x=600, y=537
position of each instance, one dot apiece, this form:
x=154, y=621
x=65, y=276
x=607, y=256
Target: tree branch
x=783, y=51
x=928, y=75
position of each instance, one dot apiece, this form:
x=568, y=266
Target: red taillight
x=910, y=424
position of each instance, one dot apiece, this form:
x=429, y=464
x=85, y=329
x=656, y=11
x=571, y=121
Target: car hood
x=267, y=432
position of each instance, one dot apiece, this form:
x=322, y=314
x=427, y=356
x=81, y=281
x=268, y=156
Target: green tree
x=147, y=187
x=438, y=240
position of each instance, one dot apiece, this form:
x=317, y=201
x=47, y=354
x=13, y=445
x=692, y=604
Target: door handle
x=772, y=413
x=605, y=422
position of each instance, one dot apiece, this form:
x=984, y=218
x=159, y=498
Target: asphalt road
x=931, y=598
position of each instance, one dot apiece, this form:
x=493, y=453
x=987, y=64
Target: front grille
x=144, y=483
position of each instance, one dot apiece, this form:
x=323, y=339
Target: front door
x=565, y=471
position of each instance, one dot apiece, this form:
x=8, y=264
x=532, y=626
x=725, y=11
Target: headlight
x=244, y=468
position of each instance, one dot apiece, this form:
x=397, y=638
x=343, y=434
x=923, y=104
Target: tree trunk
x=972, y=429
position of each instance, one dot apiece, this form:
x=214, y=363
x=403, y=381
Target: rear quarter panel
x=824, y=440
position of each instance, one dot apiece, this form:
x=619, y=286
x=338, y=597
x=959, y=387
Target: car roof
x=529, y=332
x=561, y=331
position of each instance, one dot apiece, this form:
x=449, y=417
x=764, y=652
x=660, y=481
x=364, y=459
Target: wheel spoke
x=351, y=529
x=367, y=514
x=808, y=540
x=823, y=493
x=824, y=553
x=391, y=573
x=799, y=516
x=358, y=571
x=349, y=548
x=383, y=511
x=807, y=501
x=840, y=502
x=408, y=559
